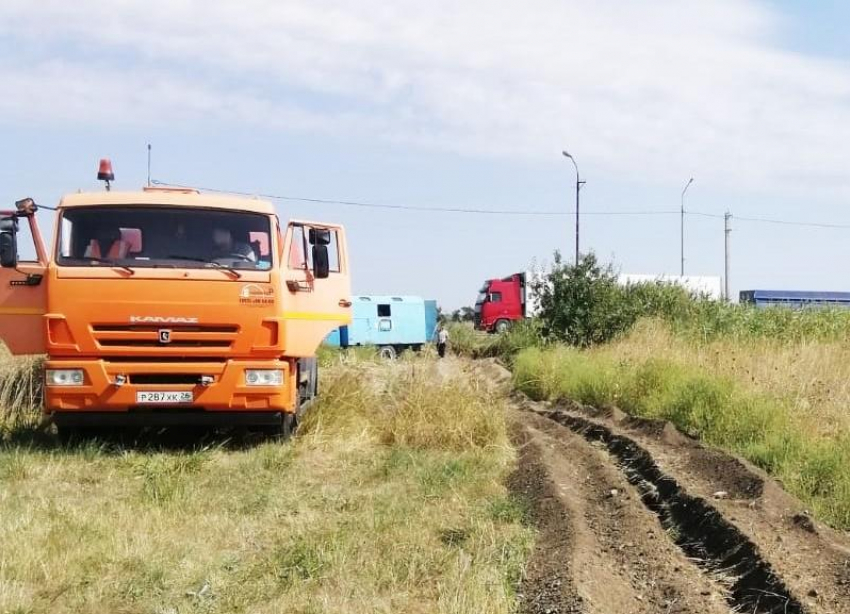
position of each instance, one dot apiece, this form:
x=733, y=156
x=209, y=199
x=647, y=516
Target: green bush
x=584, y=304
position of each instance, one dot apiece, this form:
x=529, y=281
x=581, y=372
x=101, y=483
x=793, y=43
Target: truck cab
x=170, y=306
x=501, y=303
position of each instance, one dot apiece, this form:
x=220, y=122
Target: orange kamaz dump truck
x=171, y=307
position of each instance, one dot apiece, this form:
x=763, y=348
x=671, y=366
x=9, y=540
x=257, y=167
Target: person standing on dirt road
x=442, y=340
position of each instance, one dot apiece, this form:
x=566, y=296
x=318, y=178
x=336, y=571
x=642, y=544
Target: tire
x=66, y=435
x=308, y=384
x=282, y=430
x=502, y=326
x=387, y=352
x=76, y=435
x=289, y=423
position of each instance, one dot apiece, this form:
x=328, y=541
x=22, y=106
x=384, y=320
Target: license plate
x=165, y=396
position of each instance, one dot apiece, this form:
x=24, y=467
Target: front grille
x=147, y=328
x=145, y=343
x=213, y=361
x=195, y=336
x=147, y=379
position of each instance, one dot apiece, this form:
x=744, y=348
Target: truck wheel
x=288, y=425
x=68, y=435
x=387, y=352
x=503, y=326
x=308, y=384
x=282, y=430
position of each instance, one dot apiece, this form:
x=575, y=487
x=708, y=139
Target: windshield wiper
x=110, y=262
x=212, y=263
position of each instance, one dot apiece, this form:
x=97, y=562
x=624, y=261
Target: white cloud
x=651, y=89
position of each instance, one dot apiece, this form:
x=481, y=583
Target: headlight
x=264, y=377
x=64, y=377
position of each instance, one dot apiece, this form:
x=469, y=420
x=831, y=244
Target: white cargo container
x=704, y=285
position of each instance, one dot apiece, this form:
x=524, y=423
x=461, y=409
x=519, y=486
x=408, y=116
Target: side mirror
x=321, y=264
x=8, y=249
x=320, y=236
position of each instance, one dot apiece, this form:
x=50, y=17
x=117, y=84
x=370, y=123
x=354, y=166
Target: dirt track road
x=634, y=517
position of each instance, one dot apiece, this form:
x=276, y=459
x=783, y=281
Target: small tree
x=464, y=314
x=582, y=304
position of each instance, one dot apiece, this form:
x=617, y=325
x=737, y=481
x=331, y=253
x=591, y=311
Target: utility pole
x=579, y=183
x=682, y=229
x=727, y=231
x=149, y=165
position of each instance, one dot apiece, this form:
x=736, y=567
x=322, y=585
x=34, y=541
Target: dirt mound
x=732, y=477
x=607, y=554
x=754, y=534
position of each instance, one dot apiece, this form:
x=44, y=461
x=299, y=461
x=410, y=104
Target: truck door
x=23, y=287
x=313, y=305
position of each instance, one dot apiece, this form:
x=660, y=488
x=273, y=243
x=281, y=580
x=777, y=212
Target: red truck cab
x=500, y=303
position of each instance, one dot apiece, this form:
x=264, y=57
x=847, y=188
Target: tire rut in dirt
x=547, y=586
x=701, y=532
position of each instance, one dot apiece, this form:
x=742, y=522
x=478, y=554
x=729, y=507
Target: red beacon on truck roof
x=104, y=172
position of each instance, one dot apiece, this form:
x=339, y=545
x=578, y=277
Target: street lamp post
x=682, y=229
x=579, y=183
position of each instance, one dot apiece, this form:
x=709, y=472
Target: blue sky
x=458, y=105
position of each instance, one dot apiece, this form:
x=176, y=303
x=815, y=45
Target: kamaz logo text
x=161, y=320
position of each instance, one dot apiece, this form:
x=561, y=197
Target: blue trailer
x=795, y=299
x=391, y=323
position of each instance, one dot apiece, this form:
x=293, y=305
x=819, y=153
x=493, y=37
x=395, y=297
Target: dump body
x=173, y=306
x=400, y=322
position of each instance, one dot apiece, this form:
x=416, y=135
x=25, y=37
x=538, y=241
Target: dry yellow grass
x=812, y=376
x=21, y=381
x=342, y=519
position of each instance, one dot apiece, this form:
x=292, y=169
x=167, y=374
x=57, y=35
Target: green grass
x=373, y=507
x=716, y=409
x=712, y=320
x=466, y=341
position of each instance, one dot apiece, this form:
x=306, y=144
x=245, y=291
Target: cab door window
x=301, y=255
x=26, y=242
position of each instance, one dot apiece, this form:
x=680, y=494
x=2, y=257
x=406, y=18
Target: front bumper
x=227, y=391
x=116, y=419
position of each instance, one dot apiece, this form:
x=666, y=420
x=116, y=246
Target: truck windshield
x=481, y=298
x=141, y=236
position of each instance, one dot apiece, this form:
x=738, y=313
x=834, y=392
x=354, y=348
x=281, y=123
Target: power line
x=479, y=211
x=703, y=214
x=767, y=220
x=372, y=205
x=791, y=223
